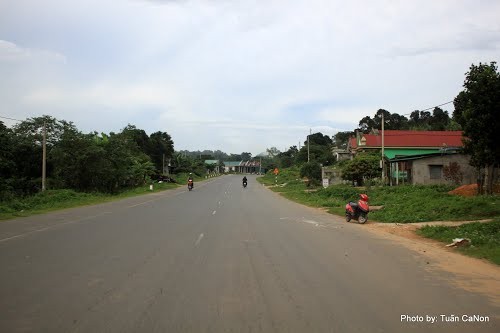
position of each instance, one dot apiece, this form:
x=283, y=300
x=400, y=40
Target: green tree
x=362, y=167
x=341, y=139
x=287, y=159
x=392, y=121
x=439, y=120
x=7, y=165
x=160, y=146
x=246, y=156
x=477, y=110
x=272, y=152
x=320, y=150
x=311, y=170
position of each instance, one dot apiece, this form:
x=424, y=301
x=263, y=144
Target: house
x=231, y=166
x=417, y=157
x=428, y=169
x=243, y=166
x=341, y=154
x=218, y=168
x=405, y=143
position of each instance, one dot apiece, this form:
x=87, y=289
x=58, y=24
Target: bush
x=311, y=170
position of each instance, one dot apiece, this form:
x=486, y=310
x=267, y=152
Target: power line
x=432, y=107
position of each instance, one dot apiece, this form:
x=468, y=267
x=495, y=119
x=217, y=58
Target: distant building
x=417, y=157
x=405, y=143
x=242, y=166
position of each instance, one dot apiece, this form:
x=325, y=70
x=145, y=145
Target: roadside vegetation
x=406, y=204
x=403, y=204
x=51, y=200
x=485, y=238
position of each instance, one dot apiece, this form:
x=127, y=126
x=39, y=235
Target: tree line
x=75, y=160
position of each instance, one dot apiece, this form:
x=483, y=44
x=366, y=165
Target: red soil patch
x=465, y=190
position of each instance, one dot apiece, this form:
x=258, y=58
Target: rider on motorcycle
x=190, y=179
x=245, y=180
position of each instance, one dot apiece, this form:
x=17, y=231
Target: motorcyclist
x=190, y=178
x=245, y=180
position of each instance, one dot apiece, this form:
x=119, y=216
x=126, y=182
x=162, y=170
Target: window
x=436, y=171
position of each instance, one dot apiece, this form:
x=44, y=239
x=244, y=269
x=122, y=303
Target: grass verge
x=51, y=200
x=406, y=204
x=485, y=238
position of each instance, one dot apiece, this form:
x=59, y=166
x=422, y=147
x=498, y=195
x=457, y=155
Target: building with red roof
x=406, y=143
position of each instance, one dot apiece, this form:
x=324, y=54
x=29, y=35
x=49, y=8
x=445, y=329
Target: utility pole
x=163, y=164
x=383, y=160
x=44, y=155
x=308, y=145
x=260, y=166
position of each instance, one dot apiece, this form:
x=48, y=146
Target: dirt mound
x=465, y=190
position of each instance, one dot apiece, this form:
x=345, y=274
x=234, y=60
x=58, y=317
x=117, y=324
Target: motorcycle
x=190, y=184
x=244, y=184
x=358, y=211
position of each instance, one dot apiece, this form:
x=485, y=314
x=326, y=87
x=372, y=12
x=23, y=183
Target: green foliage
x=404, y=203
x=485, y=238
x=392, y=121
x=477, y=111
x=320, y=150
x=82, y=162
x=438, y=120
x=340, y=139
x=362, y=167
x=51, y=200
x=285, y=176
x=311, y=170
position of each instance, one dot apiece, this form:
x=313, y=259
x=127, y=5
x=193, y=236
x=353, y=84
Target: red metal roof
x=393, y=138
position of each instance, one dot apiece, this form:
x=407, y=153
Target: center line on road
x=198, y=240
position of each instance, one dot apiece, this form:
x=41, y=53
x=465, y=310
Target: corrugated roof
x=231, y=163
x=393, y=138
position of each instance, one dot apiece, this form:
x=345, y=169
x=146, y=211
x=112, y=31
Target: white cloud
x=238, y=75
x=12, y=53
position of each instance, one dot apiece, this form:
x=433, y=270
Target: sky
x=237, y=75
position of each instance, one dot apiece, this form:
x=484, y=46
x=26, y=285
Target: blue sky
x=238, y=76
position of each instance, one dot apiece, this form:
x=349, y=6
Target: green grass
x=406, y=204
x=485, y=238
x=51, y=200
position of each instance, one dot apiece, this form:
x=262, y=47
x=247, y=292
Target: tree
x=439, y=120
x=7, y=166
x=246, y=156
x=272, y=152
x=392, y=121
x=361, y=168
x=311, y=170
x=320, y=150
x=160, y=146
x=341, y=139
x=287, y=158
x=477, y=110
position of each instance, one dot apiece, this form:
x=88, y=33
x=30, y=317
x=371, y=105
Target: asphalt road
x=218, y=259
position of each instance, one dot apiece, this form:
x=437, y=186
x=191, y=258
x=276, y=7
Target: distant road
x=218, y=259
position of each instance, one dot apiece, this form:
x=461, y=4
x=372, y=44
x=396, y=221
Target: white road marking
x=198, y=240
x=213, y=213
x=316, y=224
